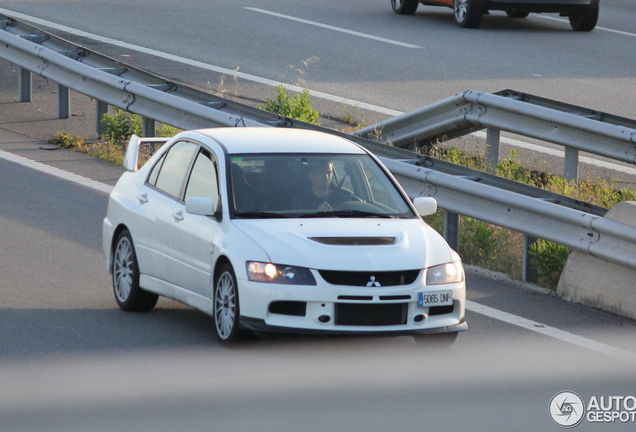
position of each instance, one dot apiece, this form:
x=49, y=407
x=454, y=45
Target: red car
x=583, y=14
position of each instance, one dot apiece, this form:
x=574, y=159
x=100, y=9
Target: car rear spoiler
x=131, y=160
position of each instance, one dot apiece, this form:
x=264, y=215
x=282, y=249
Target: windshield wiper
x=346, y=214
x=259, y=215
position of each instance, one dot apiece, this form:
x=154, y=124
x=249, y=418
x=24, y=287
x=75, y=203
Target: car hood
x=314, y=243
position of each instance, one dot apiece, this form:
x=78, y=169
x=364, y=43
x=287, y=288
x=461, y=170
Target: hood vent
x=355, y=241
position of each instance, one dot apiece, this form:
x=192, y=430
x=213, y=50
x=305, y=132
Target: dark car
x=583, y=14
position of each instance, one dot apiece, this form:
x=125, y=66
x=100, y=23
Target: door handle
x=143, y=198
x=178, y=216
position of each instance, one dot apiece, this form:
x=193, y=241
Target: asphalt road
x=70, y=360
x=539, y=55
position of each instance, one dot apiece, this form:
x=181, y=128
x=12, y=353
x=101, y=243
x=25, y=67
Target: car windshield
x=307, y=185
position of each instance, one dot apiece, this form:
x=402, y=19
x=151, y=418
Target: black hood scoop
x=355, y=241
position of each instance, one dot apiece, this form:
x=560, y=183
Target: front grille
x=357, y=298
x=352, y=314
x=370, y=279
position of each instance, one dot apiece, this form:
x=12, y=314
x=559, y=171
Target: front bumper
x=338, y=309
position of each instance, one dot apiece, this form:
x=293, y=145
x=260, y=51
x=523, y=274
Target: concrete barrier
x=600, y=284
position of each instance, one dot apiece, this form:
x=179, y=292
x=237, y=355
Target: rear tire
x=586, y=20
x=468, y=13
x=404, y=7
x=129, y=296
x=440, y=340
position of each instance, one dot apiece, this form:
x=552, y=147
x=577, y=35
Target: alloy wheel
x=225, y=305
x=123, y=269
x=461, y=10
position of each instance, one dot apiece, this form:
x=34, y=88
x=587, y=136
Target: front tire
x=226, y=306
x=468, y=13
x=404, y=7
x=586, y=20
x=129, y=296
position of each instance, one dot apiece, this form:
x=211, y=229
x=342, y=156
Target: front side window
x=203, y=180
x=174, y=168
x=306, y=185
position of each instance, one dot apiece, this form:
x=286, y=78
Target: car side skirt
x=166, y=289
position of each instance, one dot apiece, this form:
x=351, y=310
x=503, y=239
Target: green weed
x=65, y=140
x=298, y=107
x=119, y=127
x=549, y=259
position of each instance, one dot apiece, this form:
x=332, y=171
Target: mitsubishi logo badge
x=373, y=282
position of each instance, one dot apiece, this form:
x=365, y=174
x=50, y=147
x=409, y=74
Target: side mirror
x=201, y=206
x=425, y=205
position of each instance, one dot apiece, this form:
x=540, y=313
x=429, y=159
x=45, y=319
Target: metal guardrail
x=459, y=190
x=575, y=128
x=600, y=237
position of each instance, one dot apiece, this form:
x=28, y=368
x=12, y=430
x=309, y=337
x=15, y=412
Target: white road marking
x=201, y=65
x=551, y=332
x=38, y=166
x=470, y=305
x=619, y=32
x=338, y=29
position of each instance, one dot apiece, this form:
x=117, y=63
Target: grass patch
x=117, y=130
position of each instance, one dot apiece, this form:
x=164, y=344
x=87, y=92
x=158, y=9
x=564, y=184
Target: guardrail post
x=102, y=108
x=451, y=229
x=530, y=273
x=24, y=82
x=571, y=168
x=148, y=128
x=63, y=102
x=493, y=137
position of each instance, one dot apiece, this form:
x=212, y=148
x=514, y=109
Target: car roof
x=275, y=140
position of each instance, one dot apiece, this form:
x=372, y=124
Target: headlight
x=445, y=273
x=278, y=273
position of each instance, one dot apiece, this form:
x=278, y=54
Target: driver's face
x=321, y=177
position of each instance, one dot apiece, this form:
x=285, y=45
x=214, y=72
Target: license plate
x=441, y=298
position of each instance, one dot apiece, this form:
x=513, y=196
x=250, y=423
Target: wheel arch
x=223, y=259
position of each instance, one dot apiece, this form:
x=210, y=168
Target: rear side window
x=174, y=169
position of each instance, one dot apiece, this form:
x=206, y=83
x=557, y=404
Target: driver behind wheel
x=322, y=195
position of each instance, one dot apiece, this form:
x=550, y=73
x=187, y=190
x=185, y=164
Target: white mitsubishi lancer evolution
x=289, y=231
